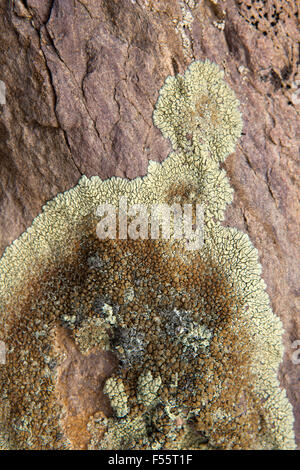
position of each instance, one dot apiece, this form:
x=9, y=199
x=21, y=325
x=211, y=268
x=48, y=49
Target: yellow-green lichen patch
x=147, y=388
x=199, y=111
x=124, y=434
x=137, y=344
x=115, y=390
x=182, y=179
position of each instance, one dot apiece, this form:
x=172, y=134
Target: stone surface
x=79, y=386
x=82, y=78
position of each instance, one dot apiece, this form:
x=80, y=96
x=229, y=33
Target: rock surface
x=82, y=78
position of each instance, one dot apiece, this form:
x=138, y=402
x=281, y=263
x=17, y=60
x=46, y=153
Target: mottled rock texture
x=82, y=78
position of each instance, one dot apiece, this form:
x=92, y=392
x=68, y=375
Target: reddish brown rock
x=81, y=82
x=80, y=382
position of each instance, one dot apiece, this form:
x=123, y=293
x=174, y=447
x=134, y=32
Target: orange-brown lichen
x=156, y=330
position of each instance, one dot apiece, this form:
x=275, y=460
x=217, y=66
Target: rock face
x=81, y=82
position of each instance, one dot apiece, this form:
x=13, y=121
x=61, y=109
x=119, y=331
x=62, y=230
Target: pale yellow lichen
x=115, y=390
x=147, y=388
x=92, y=333
x=123, y=434
x=199, y=111
x=185, y=24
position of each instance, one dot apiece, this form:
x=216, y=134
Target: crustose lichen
x=177, y=327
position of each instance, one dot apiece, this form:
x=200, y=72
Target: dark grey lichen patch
x=131, y=345
x=193, y=336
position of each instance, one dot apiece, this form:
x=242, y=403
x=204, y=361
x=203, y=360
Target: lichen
x=115, y=390
x=147, y=388
x=199, y=110
x=183, y=27
x=182, y=324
